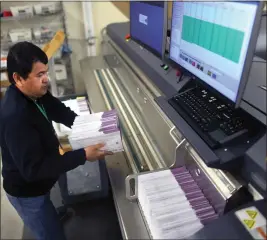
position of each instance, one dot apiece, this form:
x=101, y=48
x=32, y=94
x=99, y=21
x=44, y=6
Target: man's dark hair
x=21, y=57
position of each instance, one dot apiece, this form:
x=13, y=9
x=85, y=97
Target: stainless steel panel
x=147, y=111
x=112, y=48
x=127, y=118
x=151, y=116
x=160, y=132
x=154, y=153
x=95, y=97
x=131, y=221
x=225, y=184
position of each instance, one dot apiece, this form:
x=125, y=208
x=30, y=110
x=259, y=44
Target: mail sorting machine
x=129, y=78
x=152, y=145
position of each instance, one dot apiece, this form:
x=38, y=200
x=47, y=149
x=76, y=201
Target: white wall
x=105, y=13
x=74, y=20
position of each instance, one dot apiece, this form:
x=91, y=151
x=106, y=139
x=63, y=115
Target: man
x=30, y=149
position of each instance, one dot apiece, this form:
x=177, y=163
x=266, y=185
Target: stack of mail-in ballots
x=173, y=204
x=79, y=106
x=97, y=128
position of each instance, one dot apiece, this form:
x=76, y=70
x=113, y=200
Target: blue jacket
x=31, y=162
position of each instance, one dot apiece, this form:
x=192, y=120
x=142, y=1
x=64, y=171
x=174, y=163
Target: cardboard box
x=42, y=32
x=46, y=8
x=23, y=34
x=18, y=11
x=61, y=72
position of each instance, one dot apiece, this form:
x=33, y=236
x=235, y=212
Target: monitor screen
x=147, y=24
x=211, y=39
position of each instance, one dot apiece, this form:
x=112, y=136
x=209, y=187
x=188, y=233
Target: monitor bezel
x=250, y=54
x=248, y=60
x=164, y=33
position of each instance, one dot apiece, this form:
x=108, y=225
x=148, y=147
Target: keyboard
x=215, y=121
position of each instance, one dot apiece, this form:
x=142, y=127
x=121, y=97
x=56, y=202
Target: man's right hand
x=94, y=152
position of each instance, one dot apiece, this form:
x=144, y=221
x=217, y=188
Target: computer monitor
x=148, y=25
x=215, y=41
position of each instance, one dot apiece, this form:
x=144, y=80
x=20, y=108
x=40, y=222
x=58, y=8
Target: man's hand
x=94, y=153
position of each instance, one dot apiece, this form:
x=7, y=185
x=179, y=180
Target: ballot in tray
x=171, y=202
x=97, y=128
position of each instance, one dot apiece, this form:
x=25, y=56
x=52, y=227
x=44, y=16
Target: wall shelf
x=54, y=21
x=33, y=17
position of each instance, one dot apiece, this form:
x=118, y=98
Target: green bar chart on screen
x=224, y=41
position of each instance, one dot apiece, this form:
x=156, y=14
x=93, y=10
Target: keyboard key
x=209, y=113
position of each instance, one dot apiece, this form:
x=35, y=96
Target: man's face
x=36, y=85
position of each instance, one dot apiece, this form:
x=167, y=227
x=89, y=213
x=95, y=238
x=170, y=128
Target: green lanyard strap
x=42, y=110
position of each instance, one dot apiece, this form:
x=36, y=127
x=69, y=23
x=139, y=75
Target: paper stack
x=97, y=128
x=173, y=204
x=77, y=105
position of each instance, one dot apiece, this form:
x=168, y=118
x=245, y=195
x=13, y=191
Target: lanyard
x=42, y=110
